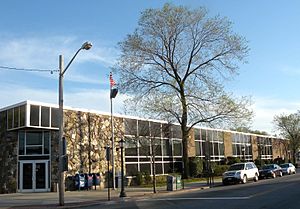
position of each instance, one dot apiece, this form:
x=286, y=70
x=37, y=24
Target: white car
x=240, y=172
x=288, y=168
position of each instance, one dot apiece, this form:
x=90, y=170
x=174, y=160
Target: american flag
x=111, y=80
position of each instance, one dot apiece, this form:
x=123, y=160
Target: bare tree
x=173, y=66
x=289, y=127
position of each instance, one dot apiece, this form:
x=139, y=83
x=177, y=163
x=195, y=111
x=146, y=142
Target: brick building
x=29, y=145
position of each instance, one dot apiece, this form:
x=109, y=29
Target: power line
x=28, y=69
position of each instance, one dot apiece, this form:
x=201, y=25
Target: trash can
x=96, y=179
x=178, y=183
x=171, y=183
x=79, y=181
x=88, y=180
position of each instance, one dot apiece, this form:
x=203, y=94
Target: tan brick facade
x=227, y=144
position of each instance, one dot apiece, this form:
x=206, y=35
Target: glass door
x=27, y=175
x=40, y=175
x=34, y=176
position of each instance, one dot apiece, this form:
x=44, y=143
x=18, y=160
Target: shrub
x=139, y=178
x=161, y=179
x=196, y=166
x=232, y=160
x=147, y=177
x=220, y=169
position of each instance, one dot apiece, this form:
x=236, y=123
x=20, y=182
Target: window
x=22, y=115
x=3, y=122
x=45, y=116
x=16, y=117
x=197, y=134
x=198, y=148
x=143, y=128
x=177, y=148
x=21, y=142
x=54, y=118
x=34, y=143
x=131, y=169
x=34, y=115
x=130, y=147
x=10, y=119
x=203, y=135
x=166, y=147
x=156, y=146
x=155, y=129
x=166, y=130
x=176, y=132
x=265, y=147
x=46, y=143
x=241, y=146
x=130, y=127
x=144, y=146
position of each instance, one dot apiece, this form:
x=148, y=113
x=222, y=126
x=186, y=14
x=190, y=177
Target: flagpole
x=112, y=139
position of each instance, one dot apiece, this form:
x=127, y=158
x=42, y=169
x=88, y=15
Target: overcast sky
x=34, y=33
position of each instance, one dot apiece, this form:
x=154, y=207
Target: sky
x=34, y=33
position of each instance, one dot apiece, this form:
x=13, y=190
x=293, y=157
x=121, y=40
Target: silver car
x=288, y=168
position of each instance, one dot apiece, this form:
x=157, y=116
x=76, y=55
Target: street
x=281, y=192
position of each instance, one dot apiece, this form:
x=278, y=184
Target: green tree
x=289, y=127
x=173, y=66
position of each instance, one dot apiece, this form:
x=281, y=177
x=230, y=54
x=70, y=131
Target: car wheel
x=244, y=180
x=280, y=174
x=256, y=177
x=274, y=175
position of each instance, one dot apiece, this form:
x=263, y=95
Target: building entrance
x=34, y=176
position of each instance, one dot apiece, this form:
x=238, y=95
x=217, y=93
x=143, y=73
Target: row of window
x=44, y=116
x=264, y=147
x=38, y=116
x=16, y=117
x=133, y=169
x=142, y=146
x=154, y=129
x=209, y=144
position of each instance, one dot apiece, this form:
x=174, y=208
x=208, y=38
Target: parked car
x=240, y=172
x=288, y=168
x=270, y=170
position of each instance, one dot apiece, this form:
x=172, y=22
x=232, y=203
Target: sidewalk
x=76, y=199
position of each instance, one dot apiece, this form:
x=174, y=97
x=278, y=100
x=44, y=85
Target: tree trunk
x=185, y=135
x=154, y=174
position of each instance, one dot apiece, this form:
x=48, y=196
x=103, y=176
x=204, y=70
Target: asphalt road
x=281, y=192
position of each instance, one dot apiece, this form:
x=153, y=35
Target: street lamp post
x=243, y=152
x=122, y=193
x=62, y=70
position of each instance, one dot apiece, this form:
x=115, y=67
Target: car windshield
x=267, y=167
x=236, y=167
x=284, y=165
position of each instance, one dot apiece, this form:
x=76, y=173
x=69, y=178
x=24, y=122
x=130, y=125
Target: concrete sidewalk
x=76, y=199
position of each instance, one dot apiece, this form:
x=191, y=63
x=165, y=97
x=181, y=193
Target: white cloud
x=95, y=100
x=266, y=108
x=43, y=53
x=92, y=99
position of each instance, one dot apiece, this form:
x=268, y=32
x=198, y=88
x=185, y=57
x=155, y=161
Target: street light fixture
x=62, y=70
x=122, y=193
